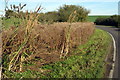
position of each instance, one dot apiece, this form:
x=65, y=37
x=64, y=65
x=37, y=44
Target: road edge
x=114, y=56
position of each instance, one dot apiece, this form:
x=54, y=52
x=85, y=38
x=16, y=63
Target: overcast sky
x=97, y=7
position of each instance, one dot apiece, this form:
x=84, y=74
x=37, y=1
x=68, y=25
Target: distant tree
x=41, y=17
x=52, y=16
x=14, y=10
x=49, y=17
x=65, y=11
x=63, y=14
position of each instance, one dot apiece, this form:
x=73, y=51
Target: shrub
x=65, y=11
x=48, y=17
x=111, y=21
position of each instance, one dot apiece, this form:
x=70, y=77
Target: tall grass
x=67, y=42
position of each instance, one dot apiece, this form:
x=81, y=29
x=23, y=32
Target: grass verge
x=93, y=18
x=87, y=61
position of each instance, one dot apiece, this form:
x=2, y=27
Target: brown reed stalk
x=30, y=22
x=67, y=43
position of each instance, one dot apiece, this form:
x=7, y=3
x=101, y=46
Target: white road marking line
x=114, y=56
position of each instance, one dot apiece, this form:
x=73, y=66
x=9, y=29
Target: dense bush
x=11, y=13
x=63, y=13
x=111, y=21
x=48, y=17
x=14, y=11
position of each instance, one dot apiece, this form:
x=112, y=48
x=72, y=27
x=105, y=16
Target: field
x=93, y=18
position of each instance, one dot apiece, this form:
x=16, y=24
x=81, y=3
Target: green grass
x=11, y=22
x=87, y=61
x=93, y=18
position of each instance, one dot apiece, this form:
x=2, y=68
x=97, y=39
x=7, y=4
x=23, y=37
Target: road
x=116, y=34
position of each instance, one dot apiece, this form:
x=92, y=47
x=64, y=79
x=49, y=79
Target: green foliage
x=48, y=17
x=12, y=21
x=62, y=15
x=65, y=11
x=110, y=21
x=27, y=74
x=14, y=16
x=14, y=11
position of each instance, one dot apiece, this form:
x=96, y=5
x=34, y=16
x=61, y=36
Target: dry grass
x=44, y=39
x=18, y=54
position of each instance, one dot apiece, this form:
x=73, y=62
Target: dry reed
x=20, y=44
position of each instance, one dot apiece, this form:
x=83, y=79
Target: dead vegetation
x=45, y=41
x=18, y=54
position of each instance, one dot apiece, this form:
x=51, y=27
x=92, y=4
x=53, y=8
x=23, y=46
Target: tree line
x=110, y=21
x=61, y=15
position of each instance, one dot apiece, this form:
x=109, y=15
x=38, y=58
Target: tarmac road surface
x=116, y=34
